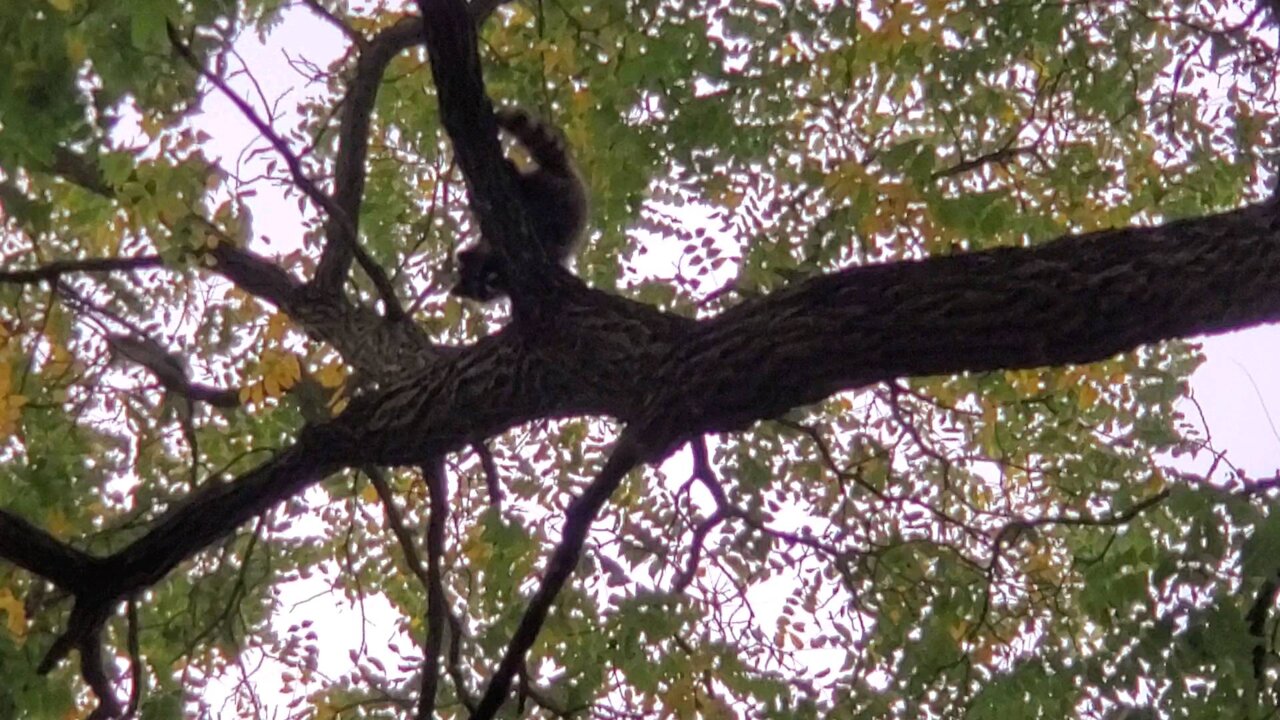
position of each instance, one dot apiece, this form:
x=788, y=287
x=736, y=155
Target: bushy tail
x=545, y=144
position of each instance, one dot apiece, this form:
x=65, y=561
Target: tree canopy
x=865, y=397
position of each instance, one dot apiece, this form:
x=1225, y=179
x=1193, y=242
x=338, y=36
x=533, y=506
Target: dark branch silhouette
x=53, y=271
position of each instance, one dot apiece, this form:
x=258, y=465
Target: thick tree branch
x=534, y=279
x=492, y=479
x=1076, y=299
x=35, y=550
x=1073, y=300
x=376, y=346
x=353, y=132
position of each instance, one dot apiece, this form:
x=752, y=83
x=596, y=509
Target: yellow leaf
x=1155, y=483
x=276, y=326
x=1087, y=396
x=10, y=414
x=325, y=711
x=63, y=5
x=15, y=613
x=846, y=180
x=294, y=368
x=331, y=375
x=519, y=15
x=76, y=49
x=369, y=493
x=339, y=405
x=56, y=523
x=59, y=362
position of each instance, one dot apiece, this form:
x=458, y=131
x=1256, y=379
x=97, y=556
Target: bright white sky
x=1238, y=387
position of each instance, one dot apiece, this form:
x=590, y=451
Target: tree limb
x=35, y=550
x=170, y=370
x=55, y=270
x=437, y=606
x=582, y=512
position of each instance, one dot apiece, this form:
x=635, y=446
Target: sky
x=1238, y=389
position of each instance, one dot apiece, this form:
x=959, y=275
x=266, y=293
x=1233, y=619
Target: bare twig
x=314, y=5
x=395, y=521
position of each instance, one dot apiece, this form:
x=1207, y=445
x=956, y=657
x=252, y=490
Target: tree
x=925, y=404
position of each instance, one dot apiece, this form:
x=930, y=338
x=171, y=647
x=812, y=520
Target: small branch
x=725, y=508
x=1013, y=529
x=682, y=580
x=169, y=370
x=582, y=512
x=135, y=660
x=353, y=148
x=491, y=478
x=1257, y=617
x=429, y=575
x=79, y=170
x=395, y=521
x=1000, y=155
x=256, y=275
x=455, y=664
x=336, y=213
x=437, y=608
x=55, y=270
x=84, y=634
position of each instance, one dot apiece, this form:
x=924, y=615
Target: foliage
x=1007, y=544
